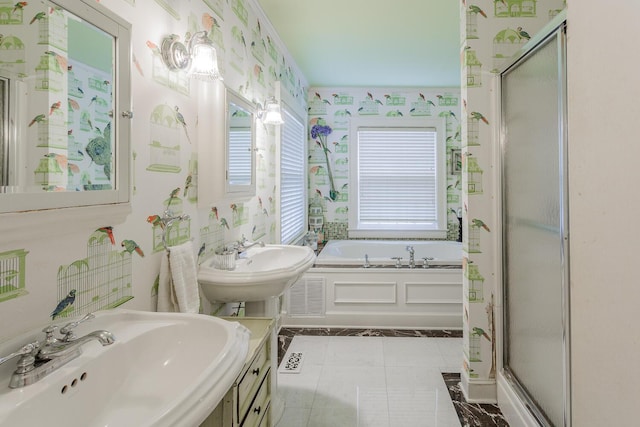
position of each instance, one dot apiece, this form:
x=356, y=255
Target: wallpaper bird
x=180, y=119
x=64, y=304
x=130, y=246
x=109, y=231
x=37, y=119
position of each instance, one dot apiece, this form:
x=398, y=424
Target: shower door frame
x=555, y=29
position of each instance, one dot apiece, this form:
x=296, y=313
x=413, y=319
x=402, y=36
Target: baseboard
x=478, y=391
x=377, y=320
x=515, y=412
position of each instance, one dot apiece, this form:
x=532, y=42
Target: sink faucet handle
x=398, y=261
x=27, y=350
x=67, y=330
x=49, y=330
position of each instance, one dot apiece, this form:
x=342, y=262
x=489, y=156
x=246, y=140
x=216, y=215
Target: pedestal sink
x=162, y=370
x=260, y=273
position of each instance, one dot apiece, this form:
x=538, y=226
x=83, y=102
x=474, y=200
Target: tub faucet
x=412, y=260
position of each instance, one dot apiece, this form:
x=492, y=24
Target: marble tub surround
x=286, y=334
x=472, y=414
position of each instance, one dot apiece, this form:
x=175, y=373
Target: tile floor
x=370, y=381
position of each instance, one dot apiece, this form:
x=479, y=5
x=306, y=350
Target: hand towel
x=178, y=287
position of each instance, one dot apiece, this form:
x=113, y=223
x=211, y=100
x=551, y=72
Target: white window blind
x=292, y=179
x=397, y=178
x=239, y=172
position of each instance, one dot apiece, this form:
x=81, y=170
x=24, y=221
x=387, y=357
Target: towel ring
x=167, y=221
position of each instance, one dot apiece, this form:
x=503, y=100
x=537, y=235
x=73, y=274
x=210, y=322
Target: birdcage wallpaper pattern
x=10, y=15
x=48, y=173
x=178, y=232
x=471, y=242
x=164, y=149
x=475, y=351
x=505, y=44
x=13, y=55
x=49, y=74
x=54, y=133
x=474, y=174
x=212, y=236
x=474, y=69
x=12, y=274
x=472, y=24
x=473, y=131
x=475, y=283
x=101, y=280
x=52, y=30
x=515, y=8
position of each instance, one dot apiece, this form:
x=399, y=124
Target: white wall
x=603, y=65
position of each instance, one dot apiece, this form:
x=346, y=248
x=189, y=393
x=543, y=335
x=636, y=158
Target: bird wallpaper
x=57, y=274
x=492, y=31
x=330, y=114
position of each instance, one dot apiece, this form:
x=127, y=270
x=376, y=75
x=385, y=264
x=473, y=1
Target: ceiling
x=371, y=43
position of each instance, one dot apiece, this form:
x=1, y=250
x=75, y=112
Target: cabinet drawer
x=258, y=411
x=251, y=380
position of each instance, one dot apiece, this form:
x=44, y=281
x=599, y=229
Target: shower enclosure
x=535, y=227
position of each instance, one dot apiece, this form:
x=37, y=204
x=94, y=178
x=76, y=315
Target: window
x=397, y=179
x=292, y=179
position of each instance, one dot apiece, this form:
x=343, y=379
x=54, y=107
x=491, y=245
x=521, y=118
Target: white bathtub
x=381, y=252
x=339, y=292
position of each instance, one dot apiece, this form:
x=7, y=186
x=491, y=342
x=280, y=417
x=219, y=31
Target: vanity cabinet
x=248, y=402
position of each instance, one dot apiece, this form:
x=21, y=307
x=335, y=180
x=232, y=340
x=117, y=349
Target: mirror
x=240, y=146
x=64, y=106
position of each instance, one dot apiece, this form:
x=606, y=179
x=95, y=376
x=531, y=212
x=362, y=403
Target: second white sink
x=260, y=273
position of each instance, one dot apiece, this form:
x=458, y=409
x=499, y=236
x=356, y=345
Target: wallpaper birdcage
x=211, y=236
x=164, y=149
x=474, y=69
x=474, y=175
x=474, y=348
x=12, y=274
x=515, y=8
x=473, y=131
x=101, y=280
x=476, y=283
x=472, y=240
x=472, y=24
x=178, y=232
x=13, y=55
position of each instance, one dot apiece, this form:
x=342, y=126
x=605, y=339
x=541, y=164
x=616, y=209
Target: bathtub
x=381, y=252
x=340, y=292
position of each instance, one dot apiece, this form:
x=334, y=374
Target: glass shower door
x=535, y=237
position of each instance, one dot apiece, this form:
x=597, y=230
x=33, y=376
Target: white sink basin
x=164, y=369
x=261, y=273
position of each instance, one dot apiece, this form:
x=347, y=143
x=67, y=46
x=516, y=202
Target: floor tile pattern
x=371, y=378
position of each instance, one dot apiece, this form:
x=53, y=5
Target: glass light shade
x=271, y=114
x=204, y=62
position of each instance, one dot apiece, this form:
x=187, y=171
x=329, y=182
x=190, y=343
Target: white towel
x=178, y=287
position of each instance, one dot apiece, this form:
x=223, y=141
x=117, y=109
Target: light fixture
x=270, y=114
x=198, y=58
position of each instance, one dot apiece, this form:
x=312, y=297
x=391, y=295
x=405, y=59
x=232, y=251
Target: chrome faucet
x=37, y=360
x=244, y=244
x=412, y=260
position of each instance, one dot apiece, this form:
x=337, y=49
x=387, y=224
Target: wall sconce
x=270, y=114
x=199, y=57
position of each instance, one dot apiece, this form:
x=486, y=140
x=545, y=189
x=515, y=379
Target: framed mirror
x=65, y=102
x=240, y=146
